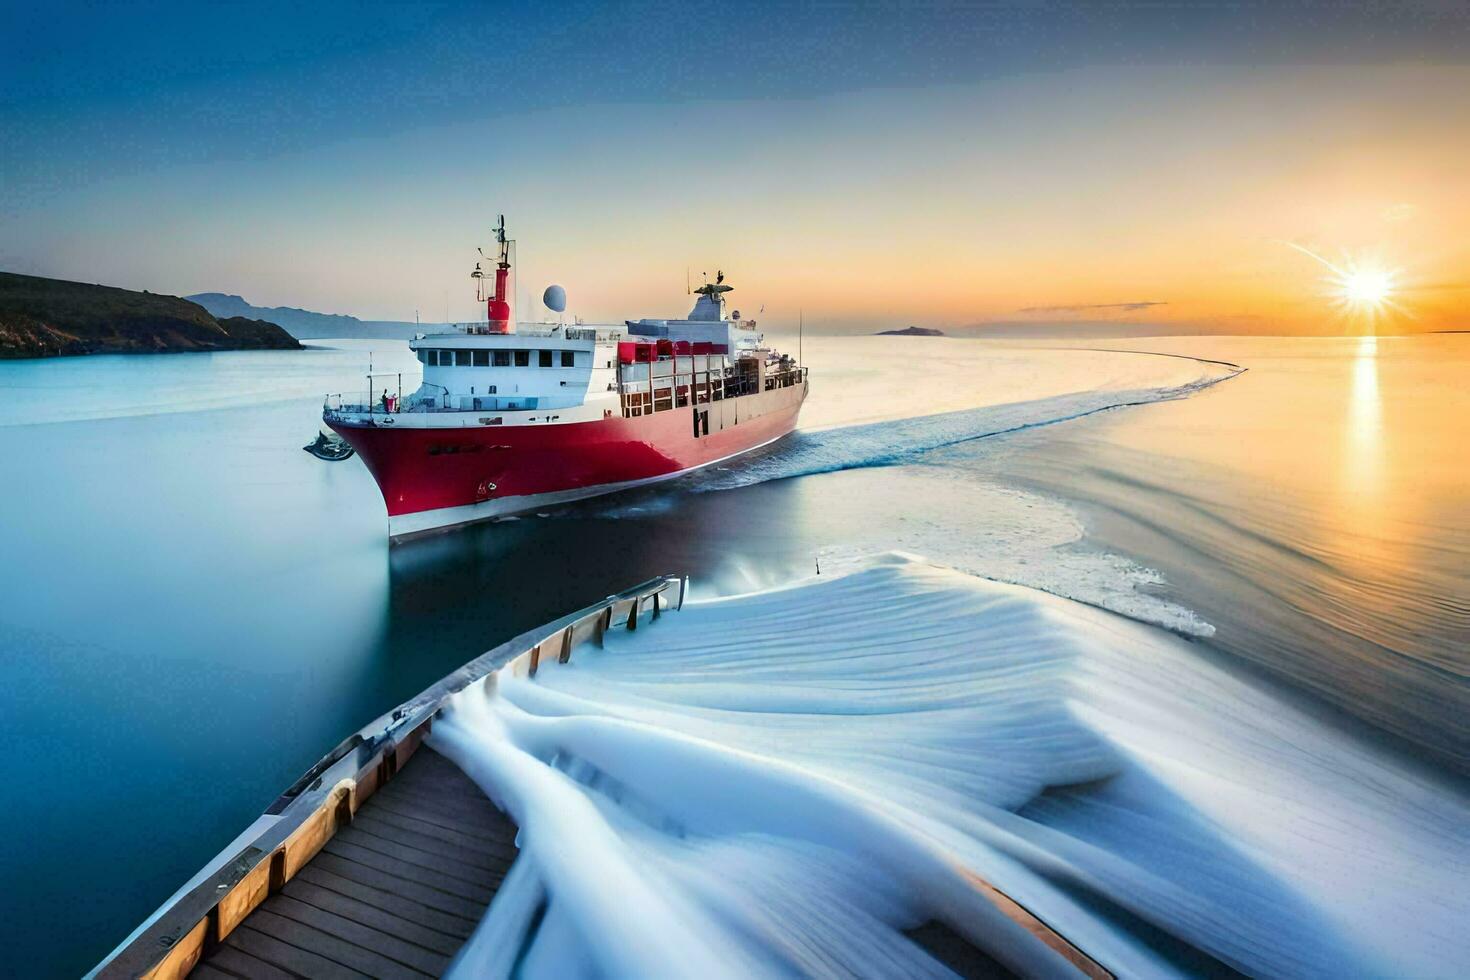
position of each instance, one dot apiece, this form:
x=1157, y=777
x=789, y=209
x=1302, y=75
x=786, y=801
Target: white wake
x=783, y=783
x=1055, y=386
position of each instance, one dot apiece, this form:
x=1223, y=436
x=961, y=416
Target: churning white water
x=782, y=783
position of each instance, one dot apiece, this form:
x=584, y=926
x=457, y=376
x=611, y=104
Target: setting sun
x=1361, y=292
x=1365, y=294
x=1367, y=287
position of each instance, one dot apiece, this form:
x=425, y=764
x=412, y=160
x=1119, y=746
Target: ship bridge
x=476, y=370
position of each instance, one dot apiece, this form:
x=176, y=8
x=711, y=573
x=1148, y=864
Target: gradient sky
x=874, y=164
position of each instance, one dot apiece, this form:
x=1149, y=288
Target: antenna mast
x=498, y=314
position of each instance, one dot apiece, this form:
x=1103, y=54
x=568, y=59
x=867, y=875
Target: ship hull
x=441, y=477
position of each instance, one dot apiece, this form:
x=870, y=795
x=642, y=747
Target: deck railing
x=637, y=396
x=334, y=405
x=662, y=393
x=306, y=816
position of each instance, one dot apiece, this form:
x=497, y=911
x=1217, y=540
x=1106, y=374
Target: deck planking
x=393, y=894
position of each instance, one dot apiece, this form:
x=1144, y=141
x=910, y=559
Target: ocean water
x=195, y=610
x=1316, y=511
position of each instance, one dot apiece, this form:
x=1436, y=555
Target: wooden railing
x=324, y=800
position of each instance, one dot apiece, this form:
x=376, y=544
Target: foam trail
x=955, y=517
x=898, y=441
x=786, y=782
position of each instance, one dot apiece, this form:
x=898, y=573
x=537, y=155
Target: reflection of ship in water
x=509, y=420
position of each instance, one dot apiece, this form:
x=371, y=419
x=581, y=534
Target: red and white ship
x=509, y=420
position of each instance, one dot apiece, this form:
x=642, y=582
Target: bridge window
x=482, y=358
x=461, y=358
x=523, y=358
x=545, y=358
x=502, y=358
x=568, y=358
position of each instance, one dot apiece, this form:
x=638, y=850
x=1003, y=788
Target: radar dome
x=555, y=299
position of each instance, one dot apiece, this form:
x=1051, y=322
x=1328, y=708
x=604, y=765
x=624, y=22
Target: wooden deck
x=393, y=894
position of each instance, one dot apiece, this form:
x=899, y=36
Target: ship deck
x=395, y=893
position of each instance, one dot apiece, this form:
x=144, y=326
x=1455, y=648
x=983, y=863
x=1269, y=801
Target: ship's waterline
x=403, y=527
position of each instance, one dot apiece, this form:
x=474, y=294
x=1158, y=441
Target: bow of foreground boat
x=379, y=860
x=385, y=857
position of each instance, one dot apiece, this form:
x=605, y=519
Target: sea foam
x=893, y=442
x=784, y=783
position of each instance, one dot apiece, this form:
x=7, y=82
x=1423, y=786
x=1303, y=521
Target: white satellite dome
x=555, y=299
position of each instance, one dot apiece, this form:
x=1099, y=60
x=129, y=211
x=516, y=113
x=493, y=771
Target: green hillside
x=50, y=317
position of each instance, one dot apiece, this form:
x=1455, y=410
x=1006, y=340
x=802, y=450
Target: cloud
x=1399, y=212
x=1084, y=307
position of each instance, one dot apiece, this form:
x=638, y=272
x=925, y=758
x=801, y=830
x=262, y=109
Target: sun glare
x=1367, y=287
x=1362, y=293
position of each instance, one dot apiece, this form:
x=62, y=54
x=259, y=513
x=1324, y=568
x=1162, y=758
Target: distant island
x=307, y=324
x=911, y=332
x=42, y=317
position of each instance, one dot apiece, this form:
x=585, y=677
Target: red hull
x=431, y=469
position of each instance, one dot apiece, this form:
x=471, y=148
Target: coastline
x=42, y=318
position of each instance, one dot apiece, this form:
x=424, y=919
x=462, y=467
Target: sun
x=1361, y=291
x=1366, y=288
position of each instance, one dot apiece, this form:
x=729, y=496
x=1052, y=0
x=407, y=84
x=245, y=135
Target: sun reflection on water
x=1366, y=407
x=1365, y=421
x=1365, y=505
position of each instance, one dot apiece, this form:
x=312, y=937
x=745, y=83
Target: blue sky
x=88, y=90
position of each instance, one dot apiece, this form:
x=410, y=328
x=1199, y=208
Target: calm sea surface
x=1315, y=510
x=194, y=610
